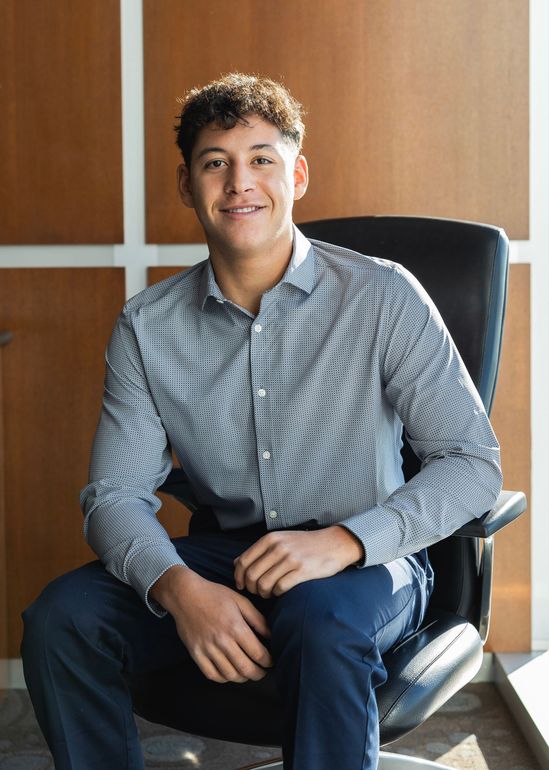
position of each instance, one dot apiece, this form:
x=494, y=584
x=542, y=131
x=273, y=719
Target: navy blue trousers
x=88, y=632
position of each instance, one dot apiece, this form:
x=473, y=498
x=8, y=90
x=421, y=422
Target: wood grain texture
x=511, y=624
x=160, y=272
x=413, y=108
x=52, y=381
x=60, y=133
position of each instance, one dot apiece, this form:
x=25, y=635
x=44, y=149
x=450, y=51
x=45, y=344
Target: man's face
x=242, y=184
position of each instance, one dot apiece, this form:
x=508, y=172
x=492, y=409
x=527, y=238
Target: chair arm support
x=509, y=506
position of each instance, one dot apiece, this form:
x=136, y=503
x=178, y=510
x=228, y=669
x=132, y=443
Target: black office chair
x=464, y=268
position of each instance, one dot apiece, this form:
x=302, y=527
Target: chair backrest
x=464, y=268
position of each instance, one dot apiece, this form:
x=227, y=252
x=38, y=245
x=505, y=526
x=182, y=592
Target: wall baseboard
x=519, y=678
x=11, y=673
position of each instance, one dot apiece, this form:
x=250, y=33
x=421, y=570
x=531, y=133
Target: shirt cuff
x=145, y=566
x=378, y=532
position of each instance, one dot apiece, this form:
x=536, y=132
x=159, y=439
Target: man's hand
x=216, y=625
x=281, y=560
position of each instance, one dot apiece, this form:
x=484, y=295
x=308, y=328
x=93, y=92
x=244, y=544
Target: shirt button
x=266, y=455
x=258, y=328
x=221, y=301
x=273, y=514
x=261, y=393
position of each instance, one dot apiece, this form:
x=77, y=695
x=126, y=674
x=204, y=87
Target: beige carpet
x=474, y=731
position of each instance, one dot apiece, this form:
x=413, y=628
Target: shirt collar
x=300, y=271
x=208, y=286
x=302, y=258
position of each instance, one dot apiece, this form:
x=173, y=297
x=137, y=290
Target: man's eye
x=262, y=161
x=215, y=163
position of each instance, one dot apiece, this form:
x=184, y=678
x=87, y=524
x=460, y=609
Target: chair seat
x=424, y=672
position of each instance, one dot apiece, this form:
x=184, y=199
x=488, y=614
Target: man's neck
x=244, y=277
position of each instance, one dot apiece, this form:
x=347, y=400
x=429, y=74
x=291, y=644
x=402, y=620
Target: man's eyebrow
x=207, y=150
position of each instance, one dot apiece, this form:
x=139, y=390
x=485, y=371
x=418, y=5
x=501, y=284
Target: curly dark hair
x=229, y=100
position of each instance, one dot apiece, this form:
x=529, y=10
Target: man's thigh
x=382, y=604
x=89, y=603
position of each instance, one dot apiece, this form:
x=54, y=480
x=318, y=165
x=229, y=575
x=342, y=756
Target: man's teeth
x=243, y=210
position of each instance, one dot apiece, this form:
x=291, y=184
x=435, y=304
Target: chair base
x=269, y=765
x=387, y=761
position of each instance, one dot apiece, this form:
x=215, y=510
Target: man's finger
x=255, y=553
x=208, y=668
x=255, y=651
x=252, y=646
x=253, y=617
x=268, y=580
x=231, y=667
x=258, y=569
x=287, y=581
x=241, y=659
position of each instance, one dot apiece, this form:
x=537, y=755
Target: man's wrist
x=353, y=548
x=170, y=586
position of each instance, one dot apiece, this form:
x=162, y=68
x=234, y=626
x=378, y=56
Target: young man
x=280, y=373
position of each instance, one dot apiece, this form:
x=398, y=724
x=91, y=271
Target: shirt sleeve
x=130, y=459
x=446, y=425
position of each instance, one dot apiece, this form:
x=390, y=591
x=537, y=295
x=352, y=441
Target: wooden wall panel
x=61, y=319
x=60, y=133
x=413, y=108
x=511, y=629
x=160, y=272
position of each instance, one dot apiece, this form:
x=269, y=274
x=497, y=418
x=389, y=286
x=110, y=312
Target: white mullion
x=134, y=254
x=539, y=238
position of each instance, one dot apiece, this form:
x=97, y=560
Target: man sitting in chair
x=279, y=372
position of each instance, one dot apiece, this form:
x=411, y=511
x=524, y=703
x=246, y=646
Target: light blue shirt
x=292, y=415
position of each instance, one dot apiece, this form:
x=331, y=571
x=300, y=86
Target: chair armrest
x=509, y=506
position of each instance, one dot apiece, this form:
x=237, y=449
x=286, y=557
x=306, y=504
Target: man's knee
x=312, y=616
x=63, y=608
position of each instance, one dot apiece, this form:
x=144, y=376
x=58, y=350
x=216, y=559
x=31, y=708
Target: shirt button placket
x=260, y=385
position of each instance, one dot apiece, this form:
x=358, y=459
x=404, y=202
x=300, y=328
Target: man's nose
x=239, y=179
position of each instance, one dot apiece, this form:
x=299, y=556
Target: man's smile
x=241, y=210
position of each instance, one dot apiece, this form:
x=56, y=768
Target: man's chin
x=244, y=243
x=246, y=238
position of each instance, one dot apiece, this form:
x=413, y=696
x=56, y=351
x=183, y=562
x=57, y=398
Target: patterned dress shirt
x=291, y=415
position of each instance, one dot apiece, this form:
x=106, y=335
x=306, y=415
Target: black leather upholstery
x=464, y=267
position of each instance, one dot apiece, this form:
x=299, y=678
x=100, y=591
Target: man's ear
x=184, y=185
x=301, y=177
